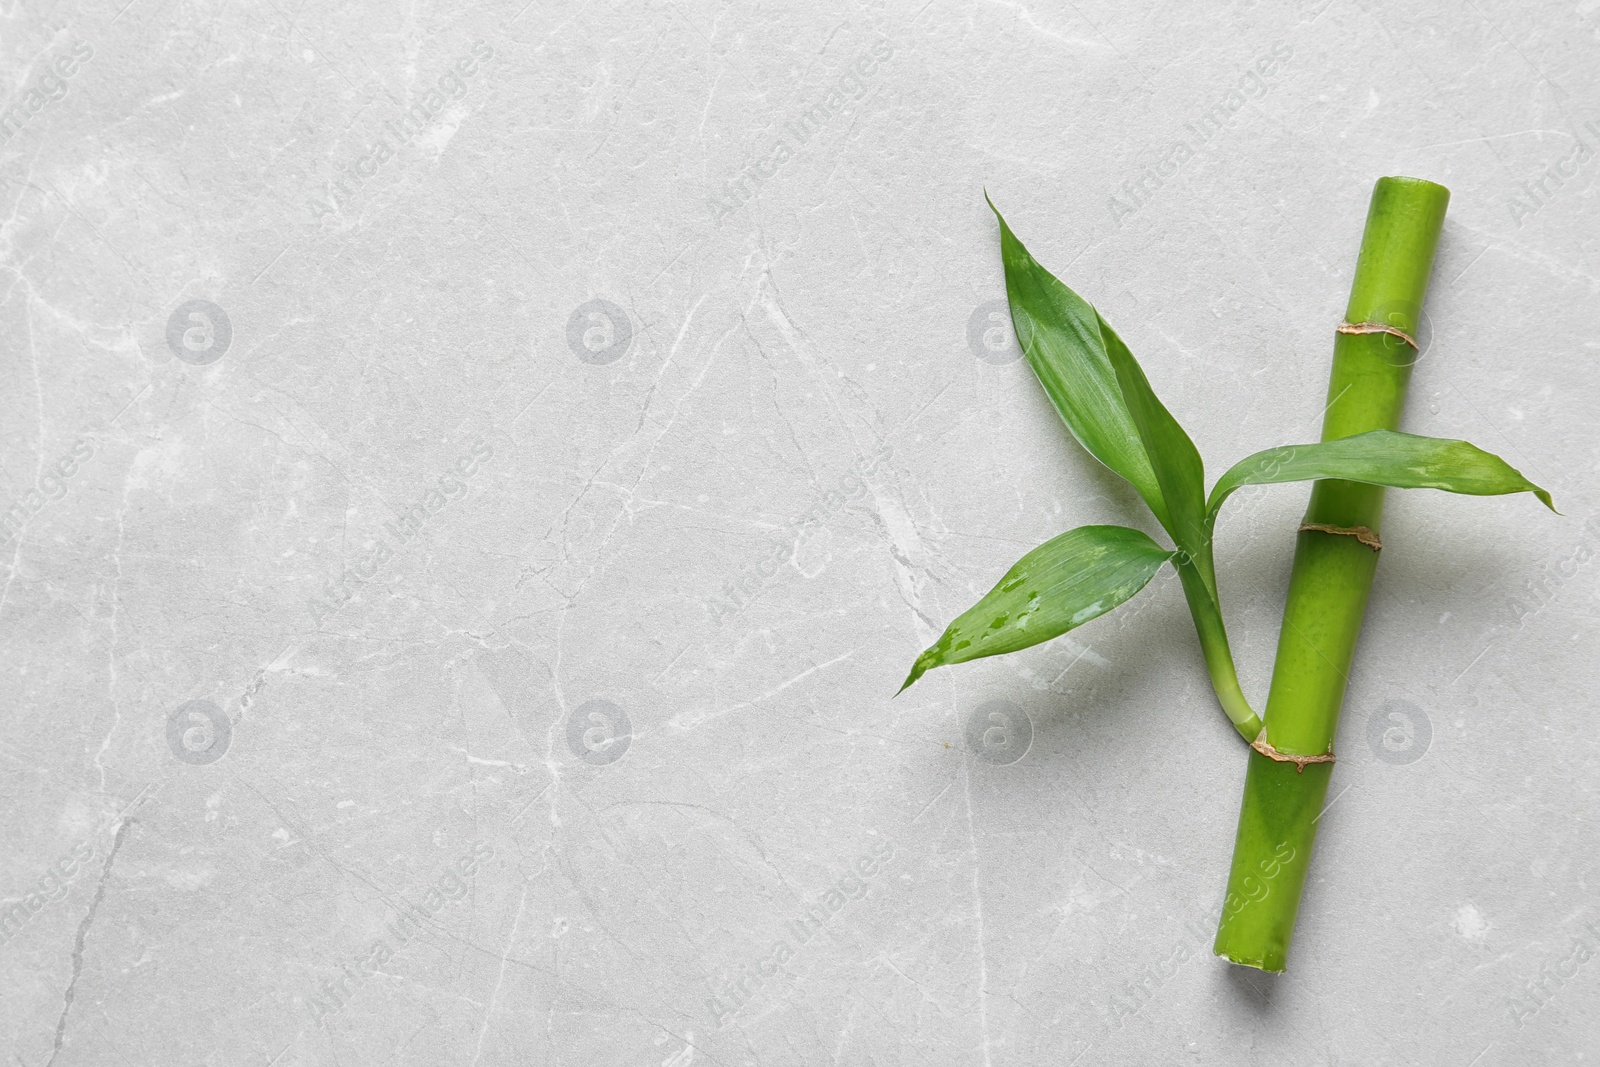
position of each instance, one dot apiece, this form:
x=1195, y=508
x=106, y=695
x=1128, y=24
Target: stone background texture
x=474, y=477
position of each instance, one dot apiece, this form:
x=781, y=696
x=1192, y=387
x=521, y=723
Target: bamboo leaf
x=1176, y=462
x=1380, y=457
x=1060, y=585
x=1103, y=396
x=1060, y=333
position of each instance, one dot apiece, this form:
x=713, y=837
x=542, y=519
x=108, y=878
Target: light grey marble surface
x=478, y=477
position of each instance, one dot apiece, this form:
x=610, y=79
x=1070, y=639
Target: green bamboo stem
x=1203, y=606
x=1329, y=583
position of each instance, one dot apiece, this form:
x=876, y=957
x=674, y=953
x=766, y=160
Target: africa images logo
x=364, y=566
x=851, y=86
x=199, y=332
x=733, y=992
x=598, y=332
x=50, y=87
x=408, y=921
x=198, y=732
x=1201, y=131
x=51, y=486
x=51, y=886
x=425, y=111
x=599, y=732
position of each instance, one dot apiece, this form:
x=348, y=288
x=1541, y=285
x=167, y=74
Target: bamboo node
x=1379, y=327
x=1360, y=533
x=1263, y=746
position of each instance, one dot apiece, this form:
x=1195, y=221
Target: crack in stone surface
x=77, y=947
